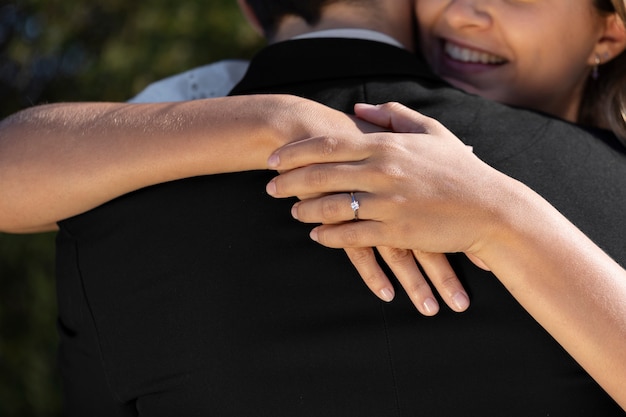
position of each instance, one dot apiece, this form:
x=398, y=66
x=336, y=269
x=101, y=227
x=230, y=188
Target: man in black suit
x=204, y=298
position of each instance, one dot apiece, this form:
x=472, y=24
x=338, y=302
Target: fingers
x=361, y=234
x=402, y=263
x=444, y=279
x=408, y=274
x=351, y=146
x=322, y=149
x=396, y=117
x=366, y=265
x=331, y=209
x=314, y=180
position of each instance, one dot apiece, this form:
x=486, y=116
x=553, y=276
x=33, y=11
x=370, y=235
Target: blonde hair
x=604, y=98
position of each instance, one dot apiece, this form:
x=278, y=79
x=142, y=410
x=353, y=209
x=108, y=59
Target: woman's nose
x=468, y=14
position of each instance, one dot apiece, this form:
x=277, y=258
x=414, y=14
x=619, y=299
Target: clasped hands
x=421, y=191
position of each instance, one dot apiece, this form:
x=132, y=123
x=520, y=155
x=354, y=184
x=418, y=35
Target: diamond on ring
x=355, y=206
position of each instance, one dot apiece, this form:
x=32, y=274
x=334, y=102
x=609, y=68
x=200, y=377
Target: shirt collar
x=352, y=33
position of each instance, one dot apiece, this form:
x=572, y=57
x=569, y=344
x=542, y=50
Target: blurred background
x=78, y=50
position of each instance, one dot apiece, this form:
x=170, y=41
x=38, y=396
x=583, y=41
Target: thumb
x=478, y=262
x=394, y=116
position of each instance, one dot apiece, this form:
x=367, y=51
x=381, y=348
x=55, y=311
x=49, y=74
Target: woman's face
x=530, y=53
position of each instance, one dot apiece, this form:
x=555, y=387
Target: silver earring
x=595, y=72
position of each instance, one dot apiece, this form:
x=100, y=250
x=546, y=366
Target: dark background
x=78, y=50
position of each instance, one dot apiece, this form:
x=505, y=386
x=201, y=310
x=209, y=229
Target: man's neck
x=343, y=17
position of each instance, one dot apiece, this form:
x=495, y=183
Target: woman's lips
x=468, y=55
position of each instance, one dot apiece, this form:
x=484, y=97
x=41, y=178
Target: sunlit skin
x=534, y=53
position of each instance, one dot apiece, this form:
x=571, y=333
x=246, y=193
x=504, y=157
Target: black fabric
x=202, y=297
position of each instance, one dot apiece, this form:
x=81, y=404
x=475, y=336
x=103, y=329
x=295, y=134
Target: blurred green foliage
x=110, y=49
x=77, y=50
x=29, y=383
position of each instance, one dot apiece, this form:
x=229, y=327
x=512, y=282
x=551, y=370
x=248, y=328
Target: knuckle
x=330, y=210
x=351, y=237
x=395, y=255
x=327, y=145
x=371, y=278
x=418, y=288
x=450, y=281
x=392, y=106
x=360, y=256
x=393, y=172
x=316, y=177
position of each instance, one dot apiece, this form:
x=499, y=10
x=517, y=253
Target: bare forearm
x=569, y=285
x=60, y=160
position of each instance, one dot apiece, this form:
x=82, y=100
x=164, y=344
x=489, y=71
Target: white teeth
x=470, y=55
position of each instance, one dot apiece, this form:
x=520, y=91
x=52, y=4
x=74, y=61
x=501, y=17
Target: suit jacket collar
x=323, y=59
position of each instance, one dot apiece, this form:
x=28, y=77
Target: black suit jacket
x=204, y=297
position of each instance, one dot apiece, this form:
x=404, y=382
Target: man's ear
x=250, y=17
x=612, y=42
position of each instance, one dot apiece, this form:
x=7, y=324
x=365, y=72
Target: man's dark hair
x=270, y=12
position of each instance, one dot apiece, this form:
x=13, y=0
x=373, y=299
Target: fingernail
x=313, y=235
x=431, y=307
x=271, y=188
x=273, y=161
x=294, y=211
x=386, y=294
x=460, y=301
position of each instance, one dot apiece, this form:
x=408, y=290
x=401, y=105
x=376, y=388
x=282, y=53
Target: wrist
x=510, y=217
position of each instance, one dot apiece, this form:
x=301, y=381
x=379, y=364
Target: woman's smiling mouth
x=471, y=56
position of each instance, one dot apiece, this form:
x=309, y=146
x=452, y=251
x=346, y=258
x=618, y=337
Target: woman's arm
x=63, y=159
x=426, y=192
x=60, y=160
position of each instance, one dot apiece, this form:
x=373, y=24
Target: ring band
x=355, y=206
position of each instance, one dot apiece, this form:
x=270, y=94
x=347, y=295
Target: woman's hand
x=423, y=190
